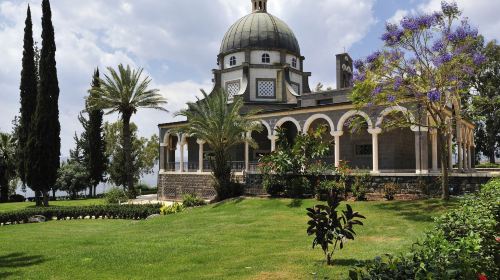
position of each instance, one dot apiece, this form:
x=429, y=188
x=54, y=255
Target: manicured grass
x=238, y=239
x=11, y=206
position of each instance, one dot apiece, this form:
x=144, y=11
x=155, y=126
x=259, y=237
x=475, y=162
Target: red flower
x=481, y=277
x=497, y=239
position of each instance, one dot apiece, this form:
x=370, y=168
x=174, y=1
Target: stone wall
x=173, y=186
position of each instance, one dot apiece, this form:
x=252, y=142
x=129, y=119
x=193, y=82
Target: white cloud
x=398, y=16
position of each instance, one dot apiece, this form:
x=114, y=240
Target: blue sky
x=177, y=43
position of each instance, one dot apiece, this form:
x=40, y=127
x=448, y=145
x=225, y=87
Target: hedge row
x=79, y=212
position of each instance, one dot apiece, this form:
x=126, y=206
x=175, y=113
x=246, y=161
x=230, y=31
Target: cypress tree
x=28, y=88
x=95, y=155
x=46, y=141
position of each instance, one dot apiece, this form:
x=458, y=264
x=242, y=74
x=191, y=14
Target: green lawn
x=21, y=205
x=240, y=239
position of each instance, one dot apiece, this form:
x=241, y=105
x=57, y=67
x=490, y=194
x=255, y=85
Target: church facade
x=260, y=61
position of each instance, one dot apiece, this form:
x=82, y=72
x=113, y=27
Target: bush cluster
x=462, y=245
x=390, y=190
x=134, y=212
x=17, y=198
x=190, y=200
x=171, y=209
x=115, y=196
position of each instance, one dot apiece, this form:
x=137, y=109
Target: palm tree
x=125, y=92
x=220, y=124
x=7, y=164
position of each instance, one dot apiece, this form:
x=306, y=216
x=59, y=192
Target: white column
x=460, y=157
x=181, y=153
x=450, y=153
x=434, y=138
x=375, y=132
x=421, y=150
x=337, y=135
x=200, y=154
x=247, y=151
x=273, y=142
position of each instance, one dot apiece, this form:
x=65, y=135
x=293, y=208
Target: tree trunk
x=45, y=198
x=222, y=174
x=90, y=191
x=127, y=150
x=38, y=198
x=95, y=191
x=445, y=190
x=492, y=155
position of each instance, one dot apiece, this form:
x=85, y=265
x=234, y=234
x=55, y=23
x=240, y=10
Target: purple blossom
x=434, y=95
x=478, y=58
x=372, y=57
x=359, y=64
x=359, y=77
x=441, y=59
x=409, y=23
x=450, y=9
x=426, y=21
x=411, y=71
x=438, y=46
x=377, y=90
x=397, y=83
x=393, y=34
x=391, y=98
x=462, y=32
x=468, y=70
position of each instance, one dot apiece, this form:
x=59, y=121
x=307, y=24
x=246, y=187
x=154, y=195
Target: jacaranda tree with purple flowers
x=426, y=63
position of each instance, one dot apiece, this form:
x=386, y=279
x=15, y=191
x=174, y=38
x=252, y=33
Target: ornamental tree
x=427, y=61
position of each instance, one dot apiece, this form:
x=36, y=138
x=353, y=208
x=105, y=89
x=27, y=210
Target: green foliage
x=290, y=161
x=390, y=190
x=125, y=92
x=17, y=198
x=115, y=195
x=190, y=200
x=171, y=209
x=359, y=186
x=488, y=165
x=330, y=188
x=7, y=164
x=331, y=228
x=72, y=178
x=462, y=245
x=485, y=102
x=218, y=121
x=144, y=153
x=79, y=212
x=28, y=93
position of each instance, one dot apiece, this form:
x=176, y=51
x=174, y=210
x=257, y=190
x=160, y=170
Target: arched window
x=294, y=62
x=260, y=5
x=266, y=58
x=232, y=61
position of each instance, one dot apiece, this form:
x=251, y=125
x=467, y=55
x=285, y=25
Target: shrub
x=330, y=227
x=272, y=185
x=462, y=244
x=488, y=165
x=359, y=186
x=190, y=200
x=115, y=196
x=17, y=198
x=390, y=190
x=171, y=209
x=79, y=212
x=328, y=189
x=298, y=187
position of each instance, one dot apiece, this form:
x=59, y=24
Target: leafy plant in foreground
x=331, y=227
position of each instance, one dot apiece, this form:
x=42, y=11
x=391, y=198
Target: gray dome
x=260, y=30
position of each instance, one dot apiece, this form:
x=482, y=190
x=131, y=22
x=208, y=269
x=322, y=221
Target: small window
x=294, y=62
x=232, y=88
x=266, y=88
x=232, y=61
x=363, y=150
x=266, y=58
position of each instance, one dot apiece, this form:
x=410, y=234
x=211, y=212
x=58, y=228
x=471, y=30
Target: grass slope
x=12, y=206
x=239, y=239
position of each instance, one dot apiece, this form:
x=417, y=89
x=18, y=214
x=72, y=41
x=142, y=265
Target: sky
x=177, y=42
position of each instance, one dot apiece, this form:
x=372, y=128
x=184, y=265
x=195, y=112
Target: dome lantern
x=259, y=6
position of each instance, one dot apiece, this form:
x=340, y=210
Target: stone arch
x=267, y=126
x=314, y=117
x=352, y=113
x=389, y=110
x=287, y=119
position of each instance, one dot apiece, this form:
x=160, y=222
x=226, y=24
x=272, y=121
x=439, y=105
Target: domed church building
x=261, y=62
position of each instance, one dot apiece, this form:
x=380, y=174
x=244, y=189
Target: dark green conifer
x=46, y=142
x=28, y=89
